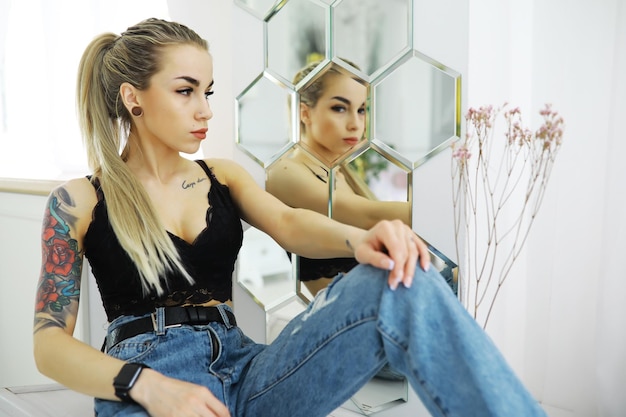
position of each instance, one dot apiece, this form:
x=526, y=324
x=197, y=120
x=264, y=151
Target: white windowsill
x=27, y=186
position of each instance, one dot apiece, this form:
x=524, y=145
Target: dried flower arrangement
x=486, y=175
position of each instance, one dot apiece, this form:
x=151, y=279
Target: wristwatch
x=125, y=380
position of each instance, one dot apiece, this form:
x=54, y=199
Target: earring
x=137, y=111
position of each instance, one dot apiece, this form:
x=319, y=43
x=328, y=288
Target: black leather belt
x=174, y=317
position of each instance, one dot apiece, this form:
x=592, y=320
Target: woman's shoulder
x=80, y=189
x=225, y=170
x=292, y=172
x=73, y=201
x=77, y=193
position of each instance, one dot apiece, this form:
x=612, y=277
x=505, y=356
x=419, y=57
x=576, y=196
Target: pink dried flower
x=481, y=118
x=551, y=131
x=461, y=154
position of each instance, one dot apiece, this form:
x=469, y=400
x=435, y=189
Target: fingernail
x=391, y=265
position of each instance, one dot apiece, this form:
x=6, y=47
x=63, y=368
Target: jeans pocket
x=135, y=348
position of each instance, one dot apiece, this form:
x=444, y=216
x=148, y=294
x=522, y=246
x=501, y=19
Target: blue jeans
x=324, y=355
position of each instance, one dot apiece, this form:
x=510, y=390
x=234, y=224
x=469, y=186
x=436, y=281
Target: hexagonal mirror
x=332, y=111
x=371, y=33
x=260, y=8
x=264, y=128
x=296, y=35
x=264, y=270
x=419, y=122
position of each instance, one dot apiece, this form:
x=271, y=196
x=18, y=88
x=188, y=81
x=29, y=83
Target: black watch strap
x=125, y=380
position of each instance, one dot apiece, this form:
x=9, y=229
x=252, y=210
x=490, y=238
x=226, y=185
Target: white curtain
x=611, y=315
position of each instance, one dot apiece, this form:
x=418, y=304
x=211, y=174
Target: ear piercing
x=137, y=111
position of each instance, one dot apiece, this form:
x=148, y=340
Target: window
x=41, y=43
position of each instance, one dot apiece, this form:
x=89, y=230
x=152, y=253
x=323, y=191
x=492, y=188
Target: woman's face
x=337, y=121
x=175, y=105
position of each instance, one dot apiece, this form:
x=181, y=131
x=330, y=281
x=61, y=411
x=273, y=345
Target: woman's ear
x=129, y=97
x=305, y=116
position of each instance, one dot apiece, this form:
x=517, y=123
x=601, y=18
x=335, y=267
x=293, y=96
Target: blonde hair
x=108, y=61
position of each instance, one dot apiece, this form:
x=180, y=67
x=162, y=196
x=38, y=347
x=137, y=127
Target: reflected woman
x=332, y=122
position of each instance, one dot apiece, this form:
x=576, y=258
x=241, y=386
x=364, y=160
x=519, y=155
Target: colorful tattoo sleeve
x=58, y=290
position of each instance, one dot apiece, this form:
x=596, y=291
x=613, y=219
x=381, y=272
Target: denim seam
x=310, y=355
x=435, y=399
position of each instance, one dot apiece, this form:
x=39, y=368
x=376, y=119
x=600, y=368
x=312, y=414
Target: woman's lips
x=351, y=141
x=200, y=133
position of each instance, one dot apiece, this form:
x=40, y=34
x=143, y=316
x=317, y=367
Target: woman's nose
x=355, y=122
x=205, y=112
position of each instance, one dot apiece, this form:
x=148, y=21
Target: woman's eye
x=185, y=91
x=338, y=109
x=362, y=111
x=208, y=94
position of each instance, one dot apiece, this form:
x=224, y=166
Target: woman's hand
x=167, y=397
x=394, y=246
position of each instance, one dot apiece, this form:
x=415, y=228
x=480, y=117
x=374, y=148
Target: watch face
x=126, y=378
x=128, y=375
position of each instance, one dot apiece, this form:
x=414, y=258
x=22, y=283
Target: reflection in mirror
x=380, y=393
x=300, y=180
x=264, y=270
x=359, y=192
x=371, y=33
x=296, y=35
x=421, y=121
x=334, y=156
x=280, y=315
x=332, y=111
x=264, y=128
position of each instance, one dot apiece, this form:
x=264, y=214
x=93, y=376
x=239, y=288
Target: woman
x=162, y=233
x=332, y=122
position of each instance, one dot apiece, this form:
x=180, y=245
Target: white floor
x=56, y=401
x=44, y=401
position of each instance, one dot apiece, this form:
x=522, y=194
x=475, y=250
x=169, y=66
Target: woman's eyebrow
x=190, y=80
x=345, y=100
x=342, y=99
x=193, y=81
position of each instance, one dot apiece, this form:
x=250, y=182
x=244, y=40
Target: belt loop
x=158, y=321
x=225, y=317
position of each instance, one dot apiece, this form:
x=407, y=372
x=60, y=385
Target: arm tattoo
x=58, y=290
x=186, y=185
x=349, y=245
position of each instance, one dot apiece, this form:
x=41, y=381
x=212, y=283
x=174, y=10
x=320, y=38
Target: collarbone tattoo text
x=186, y=185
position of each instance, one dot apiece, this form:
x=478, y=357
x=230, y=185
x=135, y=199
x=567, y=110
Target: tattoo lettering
x=192, y=184
x=59, y=283
x=349, y=245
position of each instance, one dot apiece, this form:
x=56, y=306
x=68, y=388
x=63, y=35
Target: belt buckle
x=155, y=326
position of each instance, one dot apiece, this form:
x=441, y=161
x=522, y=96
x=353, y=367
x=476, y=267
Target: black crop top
x=312, y=269
x=210, y=259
